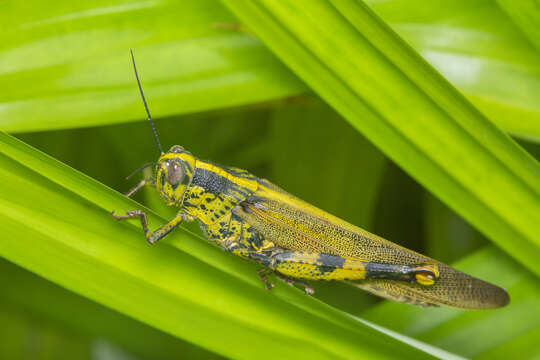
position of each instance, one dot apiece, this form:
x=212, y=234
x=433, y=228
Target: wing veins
x=283, y=224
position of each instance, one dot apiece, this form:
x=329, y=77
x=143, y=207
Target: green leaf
x=75, y=314
x=526, y=15
x=480, y=51
x=453, y=329
x=61, y=229
x=384, y=89
x=66, y=64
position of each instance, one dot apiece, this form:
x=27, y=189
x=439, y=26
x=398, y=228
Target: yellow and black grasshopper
x=254, y=219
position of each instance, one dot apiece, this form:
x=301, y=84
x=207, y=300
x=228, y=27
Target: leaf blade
x=64, y=234
x=201, y=68
x=366, y=83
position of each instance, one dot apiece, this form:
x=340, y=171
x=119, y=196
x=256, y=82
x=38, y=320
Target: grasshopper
x=252, y=218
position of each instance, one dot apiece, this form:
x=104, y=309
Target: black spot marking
x=238, y=172
x=212, y=182
x=387, y=271
x=329, y=263
x=162, y=178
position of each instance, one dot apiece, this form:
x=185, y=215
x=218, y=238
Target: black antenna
x=144, y=101
x=139, y=169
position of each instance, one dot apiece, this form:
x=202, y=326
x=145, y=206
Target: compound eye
x=175, y=173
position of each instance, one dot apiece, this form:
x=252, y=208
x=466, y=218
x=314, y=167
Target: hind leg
x=295, y=282
x=319, y=266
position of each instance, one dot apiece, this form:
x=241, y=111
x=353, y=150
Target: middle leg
x=239, y=238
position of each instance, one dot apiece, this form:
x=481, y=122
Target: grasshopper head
x=174, y=171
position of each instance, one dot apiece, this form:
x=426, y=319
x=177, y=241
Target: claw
x=294, y=283
x=263, y=275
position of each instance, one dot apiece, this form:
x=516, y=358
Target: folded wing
x=293, y=224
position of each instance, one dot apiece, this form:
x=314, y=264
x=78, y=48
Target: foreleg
x=151, y=236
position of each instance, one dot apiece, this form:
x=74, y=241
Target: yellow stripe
x=245, y=183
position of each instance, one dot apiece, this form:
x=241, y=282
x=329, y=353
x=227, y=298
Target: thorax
x=215, y=190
